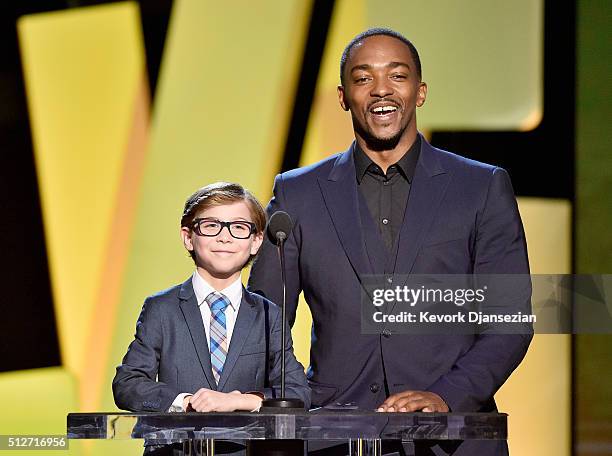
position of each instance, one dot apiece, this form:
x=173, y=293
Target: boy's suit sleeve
x=135, y=387
x=296, y=385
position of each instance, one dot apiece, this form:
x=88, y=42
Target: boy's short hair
x=219, y=194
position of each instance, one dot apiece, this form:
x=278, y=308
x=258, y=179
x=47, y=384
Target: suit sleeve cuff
x=456, y=399
x=177, y=404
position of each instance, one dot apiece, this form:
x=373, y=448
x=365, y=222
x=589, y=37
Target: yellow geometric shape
x=36, y=402
x=538, y=394
x=482, y=59
x=104, y=314
x=548, y=228
x=84, y=72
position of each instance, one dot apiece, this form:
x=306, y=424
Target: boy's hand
x=205, y=400
x=186, y=406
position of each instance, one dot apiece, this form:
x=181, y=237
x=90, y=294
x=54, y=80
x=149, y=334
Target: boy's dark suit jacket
x=170, y=343
x=461, y=218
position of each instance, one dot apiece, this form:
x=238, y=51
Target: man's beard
x=377, y=144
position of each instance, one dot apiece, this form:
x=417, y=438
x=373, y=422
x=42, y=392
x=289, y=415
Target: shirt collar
x=406, y=165
x=202, y=289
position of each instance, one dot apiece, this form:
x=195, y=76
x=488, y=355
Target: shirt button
x=375, y=387
x=386, y=183
x=390, y=279
x=385, y=221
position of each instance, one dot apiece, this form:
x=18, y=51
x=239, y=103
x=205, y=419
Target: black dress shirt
x=386, y=195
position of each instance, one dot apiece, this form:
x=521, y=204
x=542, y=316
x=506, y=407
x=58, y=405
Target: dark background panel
x=27, y=306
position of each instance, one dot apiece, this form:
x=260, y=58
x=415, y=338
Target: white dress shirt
x=202, y=289
x=234, y=293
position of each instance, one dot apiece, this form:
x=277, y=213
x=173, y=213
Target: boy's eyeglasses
x=211, y=227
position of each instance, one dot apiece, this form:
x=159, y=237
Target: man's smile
x=383, y=112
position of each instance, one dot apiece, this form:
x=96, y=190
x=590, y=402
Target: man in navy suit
x=208, y=344
x=393, y=205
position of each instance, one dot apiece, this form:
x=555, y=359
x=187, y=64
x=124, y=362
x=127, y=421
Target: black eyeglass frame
x=196, y=227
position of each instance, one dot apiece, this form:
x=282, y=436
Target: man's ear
x=186, y=235
x=342, y=99
x=421, y=94
x=257, y=241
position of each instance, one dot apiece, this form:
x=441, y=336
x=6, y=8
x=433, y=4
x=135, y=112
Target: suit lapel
x=193, y=318
x=428, y=187
x=242, y=329
x=339, y=191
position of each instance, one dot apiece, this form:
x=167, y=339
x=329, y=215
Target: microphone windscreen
x=280, y=222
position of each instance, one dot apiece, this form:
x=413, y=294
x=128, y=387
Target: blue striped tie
x=218, y=332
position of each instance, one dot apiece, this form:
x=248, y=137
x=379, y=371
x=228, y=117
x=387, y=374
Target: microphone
x=279, y=228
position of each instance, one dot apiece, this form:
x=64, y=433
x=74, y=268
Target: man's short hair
x=376, y=32
x=220, y=194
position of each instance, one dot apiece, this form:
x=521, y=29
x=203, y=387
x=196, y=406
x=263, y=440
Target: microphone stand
x=281, y=253
x=289, y=406
x=282, y=402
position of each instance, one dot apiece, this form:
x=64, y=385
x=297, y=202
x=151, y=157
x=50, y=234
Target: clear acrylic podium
x=364, y=431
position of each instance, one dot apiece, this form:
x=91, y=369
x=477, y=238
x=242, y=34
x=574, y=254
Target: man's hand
x=205, y=400
x=413, y=401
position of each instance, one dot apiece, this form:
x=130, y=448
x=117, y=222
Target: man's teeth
x=384, y=109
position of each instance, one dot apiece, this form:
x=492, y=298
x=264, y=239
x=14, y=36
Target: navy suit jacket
x=170, y=344
x=461, y=218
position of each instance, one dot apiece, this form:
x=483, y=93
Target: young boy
x=209, y=344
